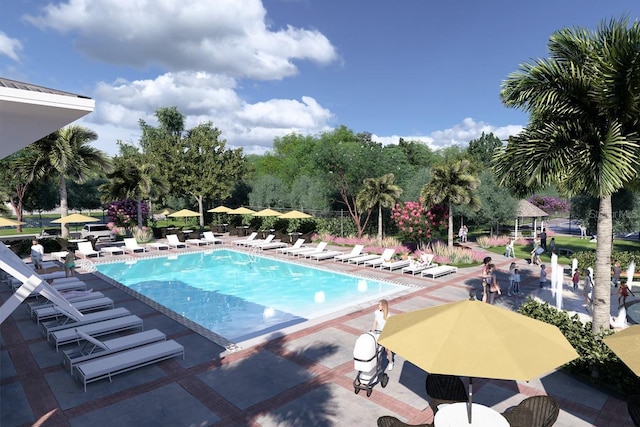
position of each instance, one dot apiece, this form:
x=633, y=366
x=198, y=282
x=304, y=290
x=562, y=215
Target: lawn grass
x=572, y=243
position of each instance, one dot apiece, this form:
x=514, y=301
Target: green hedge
x=597, y=364
x=588, y=259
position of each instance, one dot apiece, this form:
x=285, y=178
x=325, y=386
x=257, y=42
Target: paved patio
x=298, y=376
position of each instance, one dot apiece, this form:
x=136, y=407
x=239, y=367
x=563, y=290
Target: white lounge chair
x=257, y=242
x=59, y=256
x=322, y=255
x=297, y=245
x=87, y=250
x=362, y=259
x=70, y=321
x=394, y=264
x=273, y=245
x=61, y=284
x=302, y=251
x=113, y=250
x=355, y=252
x=211, y=238
x=249, y=238
x=131, y=245
x=197, y=242
x=94, y=348
x=441, y=270
x=415, y=267
x=124, y=361
x=106, y=327
x=71, y=296
x=158, y=245
x=46, y=313
x=386, y=256
x=174, y=242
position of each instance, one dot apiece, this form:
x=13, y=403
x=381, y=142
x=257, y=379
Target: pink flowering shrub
x=490, y=242
x=417, y=223
x=550, y=204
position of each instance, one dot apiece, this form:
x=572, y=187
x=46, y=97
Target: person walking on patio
x=617, y=271
x=492, y=285
x=587, y=287
x=484, y=273
x=543, y=276
x=379, y=320
x=623, y=292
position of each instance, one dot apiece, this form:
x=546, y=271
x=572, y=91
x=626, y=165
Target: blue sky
x=417, y=69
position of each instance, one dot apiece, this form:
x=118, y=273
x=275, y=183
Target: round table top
x=455, y=415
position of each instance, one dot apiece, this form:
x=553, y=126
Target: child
x=623, y=292
x=493, y=285
x=516, y=281
x=69, y=264
x=512, y=269
x=617, y=271
x=508, y=250
x=575, y=279
x=543, y=276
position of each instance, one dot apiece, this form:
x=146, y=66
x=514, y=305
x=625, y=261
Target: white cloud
x=459, y=134
x=10, y=46
x=223, y=37
x=201, y=97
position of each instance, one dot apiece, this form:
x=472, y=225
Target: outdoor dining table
x=455, y=415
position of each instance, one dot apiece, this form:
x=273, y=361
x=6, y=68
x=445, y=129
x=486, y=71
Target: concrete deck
x=299, y=376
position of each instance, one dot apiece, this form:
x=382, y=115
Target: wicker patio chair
x=543, y=410
x=389, y=421
x=519, y=416
x=633, y=405
x=445, y=389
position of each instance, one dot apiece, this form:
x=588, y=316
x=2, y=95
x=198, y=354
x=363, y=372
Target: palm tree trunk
x=64, y=208
x=379, y=223
x=602, y=279
x=450, y=231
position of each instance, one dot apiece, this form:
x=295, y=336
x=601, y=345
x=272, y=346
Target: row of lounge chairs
x=424, y=266
x=131, y=246
x=89, y=359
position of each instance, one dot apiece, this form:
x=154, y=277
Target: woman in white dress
x=379, y=320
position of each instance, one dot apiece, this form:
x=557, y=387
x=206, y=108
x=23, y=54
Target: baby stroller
x=367, y=358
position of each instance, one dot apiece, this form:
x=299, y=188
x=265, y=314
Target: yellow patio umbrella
x=626, y=345
x=220, y=209
x=474, y=339
x=241, y=211
x=75, y=218
x=267, y=212
x=8, y=222
x=295, y=215
x=184, y=213
x=165, y=212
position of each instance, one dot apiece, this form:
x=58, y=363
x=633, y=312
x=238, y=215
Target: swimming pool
x=240, y=296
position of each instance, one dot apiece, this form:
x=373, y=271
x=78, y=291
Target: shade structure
x=241, y=211
x=220, y=209
x=474, y=339
x=295, y=215
x=267, y=212
x=165, y=212
x=184, y=213
x=75, y=218
x=8, y=222
x=626, y=345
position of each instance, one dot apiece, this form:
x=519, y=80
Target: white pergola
x=28, y=113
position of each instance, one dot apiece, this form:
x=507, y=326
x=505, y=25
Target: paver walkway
x=299, y=376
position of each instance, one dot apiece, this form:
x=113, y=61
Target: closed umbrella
x=473, y=339
x=294, y=215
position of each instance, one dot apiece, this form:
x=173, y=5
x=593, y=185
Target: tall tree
x=380, y=192
x=481, y=149
x=132, y=179
x=584, y=104
x=16, y=178
x=451, y=184
x=67, y=154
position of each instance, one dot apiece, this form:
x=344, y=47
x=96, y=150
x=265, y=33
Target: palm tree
x=451, y=184
x=66, y=154
x=378, y=191
x=133, y=180
x=584, y=104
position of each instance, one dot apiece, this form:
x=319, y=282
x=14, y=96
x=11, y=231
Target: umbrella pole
x=470, y=398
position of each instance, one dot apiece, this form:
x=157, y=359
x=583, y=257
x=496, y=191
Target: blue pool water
x=240, y=296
